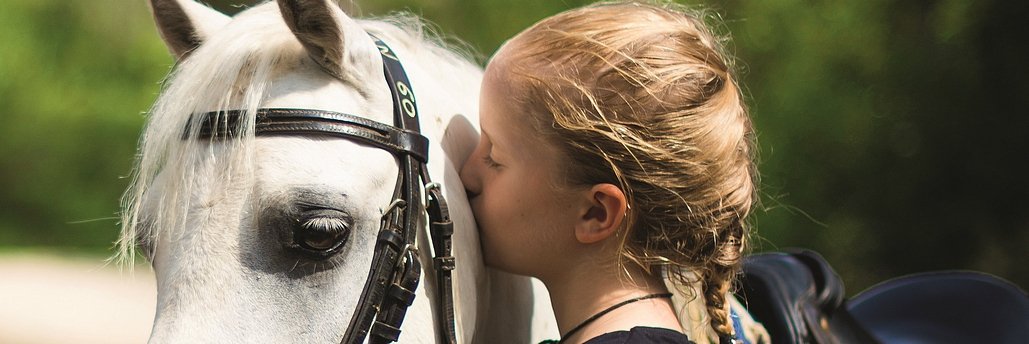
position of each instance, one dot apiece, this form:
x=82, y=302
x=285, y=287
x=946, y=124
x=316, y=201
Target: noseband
x=395, y=270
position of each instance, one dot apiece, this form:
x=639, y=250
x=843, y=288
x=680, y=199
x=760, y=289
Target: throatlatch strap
x=442, y=231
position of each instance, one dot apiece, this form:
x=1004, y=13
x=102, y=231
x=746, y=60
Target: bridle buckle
x=428, y=189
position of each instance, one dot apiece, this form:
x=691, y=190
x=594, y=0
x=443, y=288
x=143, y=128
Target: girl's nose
x=471, y=177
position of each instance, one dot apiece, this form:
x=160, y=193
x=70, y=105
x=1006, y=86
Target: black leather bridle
x=395, y=270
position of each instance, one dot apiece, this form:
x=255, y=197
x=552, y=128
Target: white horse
x=219, y=218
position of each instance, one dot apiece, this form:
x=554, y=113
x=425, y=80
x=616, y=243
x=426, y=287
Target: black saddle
x=799, y=298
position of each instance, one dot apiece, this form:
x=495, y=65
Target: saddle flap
x=799, y=298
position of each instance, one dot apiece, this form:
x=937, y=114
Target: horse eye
x=321, y=236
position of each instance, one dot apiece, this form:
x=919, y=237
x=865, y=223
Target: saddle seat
x=799, y=298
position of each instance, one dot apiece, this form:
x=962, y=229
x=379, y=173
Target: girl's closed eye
x=490, y=162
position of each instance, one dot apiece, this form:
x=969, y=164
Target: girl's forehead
x=503, y=120
x=505, y=57
x=497, y=112
x=497, y=69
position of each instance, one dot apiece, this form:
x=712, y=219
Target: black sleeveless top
x=641, y=335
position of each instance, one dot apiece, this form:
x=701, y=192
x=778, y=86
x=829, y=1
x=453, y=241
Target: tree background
x=893, y=133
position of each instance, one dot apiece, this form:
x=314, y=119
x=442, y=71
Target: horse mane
x=233, y=70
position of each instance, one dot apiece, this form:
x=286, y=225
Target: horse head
x=270, y=238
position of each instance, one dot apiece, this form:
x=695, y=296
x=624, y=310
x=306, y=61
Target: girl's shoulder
x=642, y=335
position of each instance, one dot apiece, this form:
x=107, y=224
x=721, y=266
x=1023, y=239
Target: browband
x=275, y=121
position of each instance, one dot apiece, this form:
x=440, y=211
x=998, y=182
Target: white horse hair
x=213, y=215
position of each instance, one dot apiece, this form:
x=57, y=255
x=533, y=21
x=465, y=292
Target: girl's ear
x=603, y=214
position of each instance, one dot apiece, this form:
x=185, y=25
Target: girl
x=616, y=153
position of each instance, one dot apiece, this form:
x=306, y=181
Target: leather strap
x=304, y=122
x=387, y=253
x=442, y=231
x=405, y=107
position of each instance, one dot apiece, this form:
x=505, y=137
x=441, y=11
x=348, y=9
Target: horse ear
x=331, y=38
x=185, y=24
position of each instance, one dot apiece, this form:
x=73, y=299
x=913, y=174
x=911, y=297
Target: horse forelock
x=232, y=70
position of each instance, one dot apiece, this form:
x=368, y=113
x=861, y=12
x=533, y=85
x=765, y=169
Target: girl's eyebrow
x=488, y=137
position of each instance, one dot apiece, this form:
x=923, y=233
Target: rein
x=395, y=270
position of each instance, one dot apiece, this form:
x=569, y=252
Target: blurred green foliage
x=75, y=77
x=892, y=133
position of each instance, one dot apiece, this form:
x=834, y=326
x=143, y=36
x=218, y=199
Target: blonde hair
x=648, y=90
